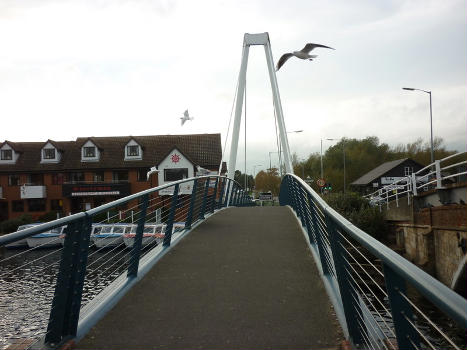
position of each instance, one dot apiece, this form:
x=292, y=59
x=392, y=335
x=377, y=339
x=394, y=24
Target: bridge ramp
x=244, y=279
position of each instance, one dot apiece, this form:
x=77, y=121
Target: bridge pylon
x=248, y=40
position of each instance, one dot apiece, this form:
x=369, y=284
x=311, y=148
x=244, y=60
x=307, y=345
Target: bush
x=358, y=211
x=11, y=225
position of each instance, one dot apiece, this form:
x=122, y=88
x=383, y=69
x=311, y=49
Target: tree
x=240, y=178
x=268, y=181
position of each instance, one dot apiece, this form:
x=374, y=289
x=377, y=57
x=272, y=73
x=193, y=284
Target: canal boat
x=48, y=239
x=109, y=235
x=22, y=243
x=152, y=234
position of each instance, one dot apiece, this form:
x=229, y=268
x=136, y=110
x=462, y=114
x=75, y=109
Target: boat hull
x=44, y=241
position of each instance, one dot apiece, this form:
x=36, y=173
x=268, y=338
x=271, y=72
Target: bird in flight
x=186, y=117
x=304, y=54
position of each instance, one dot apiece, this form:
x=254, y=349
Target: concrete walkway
x=244, y=279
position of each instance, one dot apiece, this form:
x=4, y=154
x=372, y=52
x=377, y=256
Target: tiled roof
x=204, y=150
x=377, y=172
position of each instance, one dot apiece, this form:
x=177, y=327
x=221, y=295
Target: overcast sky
x=111, y=68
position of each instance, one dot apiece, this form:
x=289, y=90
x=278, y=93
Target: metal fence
x=63, y=275
x=438, y=175
x=382, y=300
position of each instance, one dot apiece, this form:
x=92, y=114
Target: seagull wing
x=185, y=114
x=308, y=47
x=183, y=120
x=282, y=60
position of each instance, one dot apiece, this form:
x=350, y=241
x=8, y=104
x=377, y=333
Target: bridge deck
x=244, y=279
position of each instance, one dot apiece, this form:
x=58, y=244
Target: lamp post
x=343, y=151
x=431, y=120
x=294, y=132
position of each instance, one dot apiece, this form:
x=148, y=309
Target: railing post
x=402, y=315
x=170, y=220
x=299, y=203
x=136, y=249
x=64, y=314
x=347, y=290
x=213, y=204
x=228, y=195
x=189, y=217
x=220, y=202
x=319, y=237
x=438, y=174
x=205, y=197
x=414, y=184
x=304, y=194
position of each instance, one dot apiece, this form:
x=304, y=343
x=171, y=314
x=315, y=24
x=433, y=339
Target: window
x=6, y=154
x=17, y=206
x=56, y=204
x=77, y=177
x=13, y=180
x=89, y=152
x=58, y=179
x=142, y=174
x=175, y=174
x=35, y=179
x=408, y=170
x=49, y=153
x=98, y=176
x=119, y=176
x=132, y=151
x=36, y=204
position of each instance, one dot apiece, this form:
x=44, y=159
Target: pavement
x=243, y=279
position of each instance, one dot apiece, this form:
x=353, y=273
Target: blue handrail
x=66, y=304
x=331, y=236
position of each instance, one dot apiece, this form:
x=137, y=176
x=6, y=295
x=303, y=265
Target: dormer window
x=6, y=154
x=48, y=153
x=133, y=151
x=89, y=152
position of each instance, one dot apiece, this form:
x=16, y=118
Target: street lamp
x=431, y=119
x=295, y=131
x=343, y=151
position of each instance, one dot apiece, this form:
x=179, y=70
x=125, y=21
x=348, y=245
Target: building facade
x=72, y=176
x=386, y=174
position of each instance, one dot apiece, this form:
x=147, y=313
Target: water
x=27, y=280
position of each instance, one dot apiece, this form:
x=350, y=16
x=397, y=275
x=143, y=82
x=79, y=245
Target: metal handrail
x=395, y=266
x=410, y=182
x=66, y=304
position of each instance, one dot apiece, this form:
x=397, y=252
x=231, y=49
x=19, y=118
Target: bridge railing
x=91, y=258
x=382, y=300
x=438, y=175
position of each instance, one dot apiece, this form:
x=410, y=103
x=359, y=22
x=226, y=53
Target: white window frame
x=133, y=143
x=84, y=157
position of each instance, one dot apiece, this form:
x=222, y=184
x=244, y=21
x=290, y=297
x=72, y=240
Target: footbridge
x=224, y=274
x=193, y=264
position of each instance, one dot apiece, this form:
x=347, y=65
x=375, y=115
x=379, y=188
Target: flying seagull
x=186, y=117
x=303, y=54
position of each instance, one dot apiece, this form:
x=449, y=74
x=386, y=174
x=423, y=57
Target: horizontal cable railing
x=60, y=268
x=441, y=174
x=382, y=300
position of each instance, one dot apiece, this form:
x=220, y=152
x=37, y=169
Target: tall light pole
x=294, y=132
x=270, y=165
x=431, y=119
x=343, y=151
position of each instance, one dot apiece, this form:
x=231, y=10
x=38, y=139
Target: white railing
x=433, y=176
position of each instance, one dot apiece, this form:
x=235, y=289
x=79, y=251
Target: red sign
x=320, y=182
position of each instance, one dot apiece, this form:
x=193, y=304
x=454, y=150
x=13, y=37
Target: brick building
x=71, y=176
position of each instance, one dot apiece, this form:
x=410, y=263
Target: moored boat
x=48, y=239
x=152, y=234
x=22, y=243
x=109, y=235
